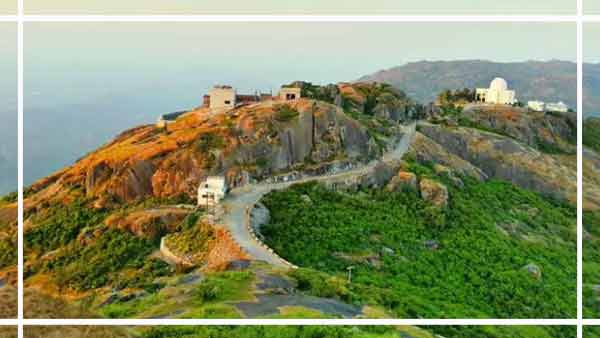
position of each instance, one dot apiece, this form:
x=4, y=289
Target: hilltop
x=533, y=80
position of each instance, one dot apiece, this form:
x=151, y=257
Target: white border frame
x=579, y=18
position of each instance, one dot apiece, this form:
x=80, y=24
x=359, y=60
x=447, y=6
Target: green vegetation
x=470, y=264
x=448, y=97
x=8, y=251
x=591, y=133
x=210, y=141
x=591, y=332
x=223, y=286
x=591, y=264
x=285, y=332
x=10, y=198
x=360, y=332
x=193, y=237
x=285, y=113
x=61, y=225
x=86, y=265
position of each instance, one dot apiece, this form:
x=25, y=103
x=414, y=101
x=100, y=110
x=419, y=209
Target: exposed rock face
x=404, y=179
x=535, y=129
x=148, y=223
x=249, y=142
x=591, y=180
x=425, y=149
x=434, y=192
x=504, y=158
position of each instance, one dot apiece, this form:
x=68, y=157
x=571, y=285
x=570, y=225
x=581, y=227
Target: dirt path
x=240, y=199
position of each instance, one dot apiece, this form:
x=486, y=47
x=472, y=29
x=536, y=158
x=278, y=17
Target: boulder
x=403, y=179
x=534, y=270
x=434, y=192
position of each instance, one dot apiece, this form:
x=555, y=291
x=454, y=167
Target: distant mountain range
x=533, y=80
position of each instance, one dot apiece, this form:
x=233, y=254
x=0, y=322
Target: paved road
x=239, y=199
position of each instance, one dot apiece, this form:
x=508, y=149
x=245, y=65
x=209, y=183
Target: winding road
x=241, y=199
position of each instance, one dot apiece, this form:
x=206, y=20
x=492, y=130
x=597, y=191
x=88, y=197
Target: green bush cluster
x=285, y=113
x=591, y=264
x=85, y=266
x=469, y=267
x=591, y=133
x=61, y=225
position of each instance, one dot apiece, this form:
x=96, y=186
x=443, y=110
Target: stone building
x=497, y=93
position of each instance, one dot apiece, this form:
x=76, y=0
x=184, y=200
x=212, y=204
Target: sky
x=86, y=82
x=8, y=107
x=591, y=6
x=591, y=47
x=301, y=7
x=8, y=7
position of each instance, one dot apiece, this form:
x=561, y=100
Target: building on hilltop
x=290, y=93
x=497, y=93
x=221, y=97
x=538, y=106
x=226, y=97
x=559, y=107
x=212, y=190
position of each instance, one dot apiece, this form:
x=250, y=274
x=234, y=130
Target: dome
x=499, y=84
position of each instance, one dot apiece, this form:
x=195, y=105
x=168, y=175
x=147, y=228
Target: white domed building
x=498, y=93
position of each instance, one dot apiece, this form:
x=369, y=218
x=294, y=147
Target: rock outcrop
x=500, y=157
x=247, y=143
x=557, y=131
x=434, y=192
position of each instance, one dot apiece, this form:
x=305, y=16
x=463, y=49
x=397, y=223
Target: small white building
x=497, y=93
x=538, y=106
x=290, y=93
x=559, y=107
x=222, y=97
x=212, y=190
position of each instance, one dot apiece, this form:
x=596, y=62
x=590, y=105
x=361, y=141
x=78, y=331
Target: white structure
x=498, y=93
x=538, y=106
x=222, y=97
x=289, y=93
x=212, y=191
x=559, y=107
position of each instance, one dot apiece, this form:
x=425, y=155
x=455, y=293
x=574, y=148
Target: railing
x=248, y=224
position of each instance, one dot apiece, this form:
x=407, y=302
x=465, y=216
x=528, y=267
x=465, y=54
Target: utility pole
x=349, y=274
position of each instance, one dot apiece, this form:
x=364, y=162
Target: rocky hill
x=134, y=198
x=127, y=195
x=533, y=80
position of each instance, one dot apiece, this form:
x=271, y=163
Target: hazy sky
x=591, y=47
x=303, y=6
x=591, y=6
x=8, y=7
x=85, y=82
x=8, y=107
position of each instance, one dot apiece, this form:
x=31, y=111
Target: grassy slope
x=591, y=223
x=476, y=272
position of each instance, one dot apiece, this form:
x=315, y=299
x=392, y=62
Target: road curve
x=240, y=199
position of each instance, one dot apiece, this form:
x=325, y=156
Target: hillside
x=591, y=216
x=8, y=256
x=297, y=332
x=547, y=81
x=408, y=205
